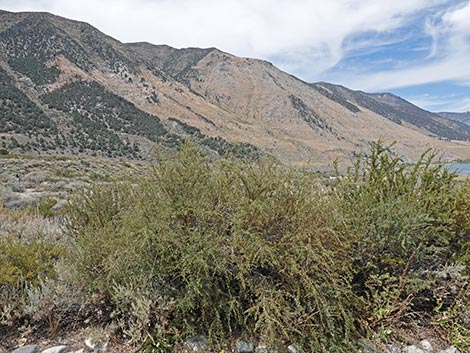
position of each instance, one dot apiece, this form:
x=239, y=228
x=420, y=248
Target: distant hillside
x=461, y=117
x=401, y=112
x=66, y=88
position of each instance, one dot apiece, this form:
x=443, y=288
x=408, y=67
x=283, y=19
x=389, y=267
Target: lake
x=460, y=169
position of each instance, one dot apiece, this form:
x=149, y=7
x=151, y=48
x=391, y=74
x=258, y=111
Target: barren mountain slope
x=293, y=119
x=62, y=67
x=94, y=93
x=461, y=117
x=401, y=111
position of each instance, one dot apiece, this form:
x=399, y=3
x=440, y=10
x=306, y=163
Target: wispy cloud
x=455, y=68
x=463, y=105
x=448, y=58
x=435, y=102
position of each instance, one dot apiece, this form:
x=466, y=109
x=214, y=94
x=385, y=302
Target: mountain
x=460, y=117
x=401, y=112
x=313, y=121
x=67, y=88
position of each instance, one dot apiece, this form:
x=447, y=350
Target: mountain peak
x=85, y=87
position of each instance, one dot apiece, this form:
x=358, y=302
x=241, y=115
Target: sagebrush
x=236, y=248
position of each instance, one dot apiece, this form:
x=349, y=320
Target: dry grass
x=27, y=181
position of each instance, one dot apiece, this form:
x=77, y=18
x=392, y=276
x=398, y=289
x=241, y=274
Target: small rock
x=293, y=348
x=392, y=349
x=33, y=348
x=79, y=351
x=56, y=349
x=59, y=205
x=261, y=349
x=413, y=349
x=99, y=347
x=197, y=343
x=450, y=350
x=426, y=345
x=244, y=347
x=22, y=341
x=367, y=346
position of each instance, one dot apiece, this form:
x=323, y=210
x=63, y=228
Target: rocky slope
x=68, y=88
x=402, y=112
x=461, y=117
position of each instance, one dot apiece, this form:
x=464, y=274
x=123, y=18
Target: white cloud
x=462, y=105
x=437, y=103
x=449, y=58
x=449, y=69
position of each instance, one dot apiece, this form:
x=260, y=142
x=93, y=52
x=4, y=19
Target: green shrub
x=406, y=223
x=461, y=218
x=233, y=248
x=44, y=207
x=23, y=266
x=222, y=248
x=26, y=262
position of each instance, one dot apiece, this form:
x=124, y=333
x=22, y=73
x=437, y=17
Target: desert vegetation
x=231, y=248
x=18, y=113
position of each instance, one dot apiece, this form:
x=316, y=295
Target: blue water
x=460, y=169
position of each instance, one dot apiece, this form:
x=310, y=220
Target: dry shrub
x=223, y=248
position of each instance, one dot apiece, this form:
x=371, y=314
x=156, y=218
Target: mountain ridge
x=460, y=117
x=224, y=97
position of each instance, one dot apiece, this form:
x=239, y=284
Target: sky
x=418, y=49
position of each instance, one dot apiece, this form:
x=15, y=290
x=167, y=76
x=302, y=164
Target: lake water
x=460, y=169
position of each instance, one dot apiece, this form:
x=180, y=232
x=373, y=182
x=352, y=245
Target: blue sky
x=418, y=49
x=425, y=60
